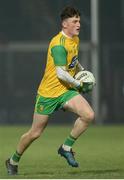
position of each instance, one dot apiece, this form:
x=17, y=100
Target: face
x=71, y=26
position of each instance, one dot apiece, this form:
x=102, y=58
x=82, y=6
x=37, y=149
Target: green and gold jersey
x=62, y=51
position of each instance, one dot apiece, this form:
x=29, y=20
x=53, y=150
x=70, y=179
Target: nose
x=78, y=24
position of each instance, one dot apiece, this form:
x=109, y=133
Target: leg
x=38, y=125
x=81, y=107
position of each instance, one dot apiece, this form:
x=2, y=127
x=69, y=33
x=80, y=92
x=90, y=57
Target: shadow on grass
x=39, y=173
x=101, y=171
x=80, y=171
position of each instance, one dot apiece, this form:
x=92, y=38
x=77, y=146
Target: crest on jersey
x=73, y=62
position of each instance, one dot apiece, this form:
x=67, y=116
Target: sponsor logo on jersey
x=73, y=62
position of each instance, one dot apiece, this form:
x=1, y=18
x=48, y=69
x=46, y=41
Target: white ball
x=85, y=76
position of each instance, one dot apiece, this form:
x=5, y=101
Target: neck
x=66, y=35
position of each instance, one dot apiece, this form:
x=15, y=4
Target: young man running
x=58, y=89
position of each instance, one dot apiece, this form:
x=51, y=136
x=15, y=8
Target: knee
x=91, y=116
x=88, y=116
x=34, y=134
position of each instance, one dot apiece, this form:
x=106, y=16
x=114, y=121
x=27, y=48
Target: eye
x=75, y=21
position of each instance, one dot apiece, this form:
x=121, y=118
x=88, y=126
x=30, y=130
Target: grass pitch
x=100, y=153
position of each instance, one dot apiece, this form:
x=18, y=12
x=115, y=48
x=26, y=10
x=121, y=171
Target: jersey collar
x=66, y=35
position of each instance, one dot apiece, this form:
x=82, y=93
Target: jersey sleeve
x=59, y=55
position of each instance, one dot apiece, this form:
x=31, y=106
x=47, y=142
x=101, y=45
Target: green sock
x=70, y=141
x=16, y=157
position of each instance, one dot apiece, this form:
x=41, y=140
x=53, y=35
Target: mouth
x=78, y=29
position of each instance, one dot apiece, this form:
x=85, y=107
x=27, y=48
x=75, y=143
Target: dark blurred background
x=26, y=27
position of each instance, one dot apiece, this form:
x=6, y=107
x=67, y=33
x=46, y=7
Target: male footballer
x=59, y=89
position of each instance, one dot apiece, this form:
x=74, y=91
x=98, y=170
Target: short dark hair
x=69, y=12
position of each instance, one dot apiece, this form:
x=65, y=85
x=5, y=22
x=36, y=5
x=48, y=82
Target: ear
x=64, y=24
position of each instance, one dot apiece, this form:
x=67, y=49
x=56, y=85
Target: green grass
x=100, y=152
